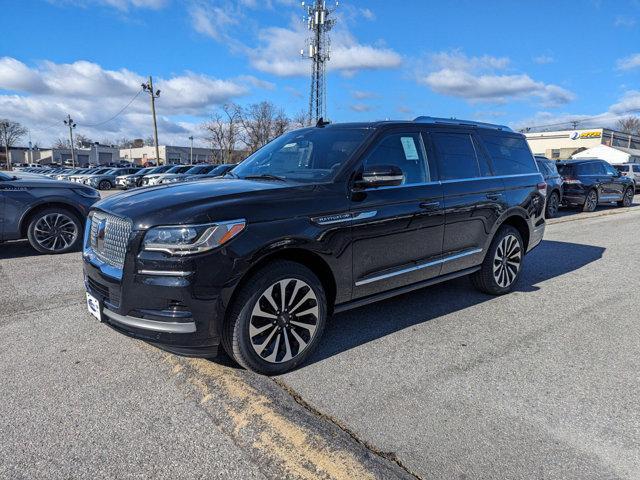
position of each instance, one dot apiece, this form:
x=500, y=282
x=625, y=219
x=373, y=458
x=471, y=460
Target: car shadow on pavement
x=359, y=326
x=17, y=249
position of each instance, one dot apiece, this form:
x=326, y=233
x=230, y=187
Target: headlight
x=87, y=192
x=190, y=239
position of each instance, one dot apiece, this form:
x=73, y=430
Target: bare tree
x=61, y=143
x=10, y=133
x=300, y=119
x=261, y=123
x=629, y=125
x=149, y=141
x=223, y=132
x=82, y=141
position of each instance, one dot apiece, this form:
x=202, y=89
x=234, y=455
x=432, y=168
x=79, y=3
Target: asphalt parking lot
x=441, y=383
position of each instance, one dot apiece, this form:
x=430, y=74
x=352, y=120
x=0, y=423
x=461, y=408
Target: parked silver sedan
x=107, y=180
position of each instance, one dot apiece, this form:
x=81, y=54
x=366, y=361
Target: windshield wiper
x=265, y=176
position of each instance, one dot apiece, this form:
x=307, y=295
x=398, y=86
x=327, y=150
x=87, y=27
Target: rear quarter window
x=510, y=155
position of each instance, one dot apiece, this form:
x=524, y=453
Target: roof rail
x=455, y=121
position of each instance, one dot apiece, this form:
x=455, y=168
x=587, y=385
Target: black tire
x=105, y=185
x=627, y=198
x=236, y=338
x=485, y=279
x=590, y=201
x=65, y=236
x=553, y=204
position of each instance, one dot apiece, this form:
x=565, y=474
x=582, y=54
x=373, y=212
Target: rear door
x=636, y=174
x=473, y=196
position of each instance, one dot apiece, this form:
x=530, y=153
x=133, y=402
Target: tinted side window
x=609, y=169
x=511, y=155
x=456, y=155
x=591, y=168
x=403, y=150
x=636, y=168
x=621, y=168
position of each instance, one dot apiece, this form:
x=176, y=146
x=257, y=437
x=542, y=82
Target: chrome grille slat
x=116, y=238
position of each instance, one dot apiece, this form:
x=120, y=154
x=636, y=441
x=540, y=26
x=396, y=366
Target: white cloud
x=361, y=107
x=543, y=59
x=277, y=49
x=41, y=96
x=362, y=94
x=629, y=63
x=482, y=79
x=122, y=5
x=624, y=21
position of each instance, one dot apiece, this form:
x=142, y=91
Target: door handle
x=429, y=205
x=494, y=196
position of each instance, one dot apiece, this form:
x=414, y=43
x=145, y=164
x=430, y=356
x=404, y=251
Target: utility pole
x=71, y=125
x=148, y=87
x=319, y=24
x=575, y=124
x=191, y=155
x=5, y=127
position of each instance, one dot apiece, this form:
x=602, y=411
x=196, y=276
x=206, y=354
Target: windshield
x=198, y=169
x=308, y=155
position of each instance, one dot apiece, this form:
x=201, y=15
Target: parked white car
x=631, y=170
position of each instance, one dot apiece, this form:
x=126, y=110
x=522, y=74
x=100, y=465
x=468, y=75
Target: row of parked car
x=587, y=183
x=106, y=178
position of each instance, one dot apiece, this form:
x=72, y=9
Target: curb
x=582, y=216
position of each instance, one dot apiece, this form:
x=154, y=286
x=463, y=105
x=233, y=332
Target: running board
x=360, y=302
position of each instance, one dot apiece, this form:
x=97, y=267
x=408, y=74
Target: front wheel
x=627, y=199
x=104, y=185
x=54, y=230
x=503, y=263
x=277, y=319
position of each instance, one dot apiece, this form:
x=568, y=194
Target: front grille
x=111, y=247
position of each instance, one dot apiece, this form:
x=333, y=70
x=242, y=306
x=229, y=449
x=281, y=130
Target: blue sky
x=500, y=61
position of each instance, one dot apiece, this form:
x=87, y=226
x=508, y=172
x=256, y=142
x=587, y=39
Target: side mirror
x=380, y=176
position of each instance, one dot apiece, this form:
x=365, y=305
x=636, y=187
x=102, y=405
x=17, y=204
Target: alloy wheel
x=55, y=232
x=628, y=197
x=284, y=320
x=552, y=206
x=507, y=261
x=592, y=201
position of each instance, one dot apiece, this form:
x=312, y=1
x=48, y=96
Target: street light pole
x=191, y=156
x=71, y=125
x=148, y=87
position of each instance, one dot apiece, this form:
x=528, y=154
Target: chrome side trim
x=344, y=217
x=164, y=273
x=153, y=325
x=418, y=267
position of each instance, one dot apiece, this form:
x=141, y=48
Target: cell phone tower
x=319, y=23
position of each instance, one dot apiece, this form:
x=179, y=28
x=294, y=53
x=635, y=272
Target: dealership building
x=609, y=145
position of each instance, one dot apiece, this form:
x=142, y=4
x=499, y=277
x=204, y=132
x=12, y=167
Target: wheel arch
x=307, y=258
x=34, y=210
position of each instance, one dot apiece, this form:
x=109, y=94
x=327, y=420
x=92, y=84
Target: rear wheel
x=503, y=263
x=591, y=202
x=277, y=319
x=553, y=204
x=104, y=185
x=54, y=230
x=627, y=199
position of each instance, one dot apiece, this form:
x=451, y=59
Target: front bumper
x=174, y=313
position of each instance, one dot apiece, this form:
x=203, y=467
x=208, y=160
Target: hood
x=35, y=180
x=196, y=202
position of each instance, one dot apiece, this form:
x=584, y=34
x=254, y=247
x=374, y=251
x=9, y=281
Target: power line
x=575, y=122
x=117, y=114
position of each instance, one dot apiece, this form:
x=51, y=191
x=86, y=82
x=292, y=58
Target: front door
x=613, y=181
x=397, y=231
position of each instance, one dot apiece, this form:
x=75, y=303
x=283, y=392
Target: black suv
x=554, y=181
x=318, y=221
x=589, y=182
